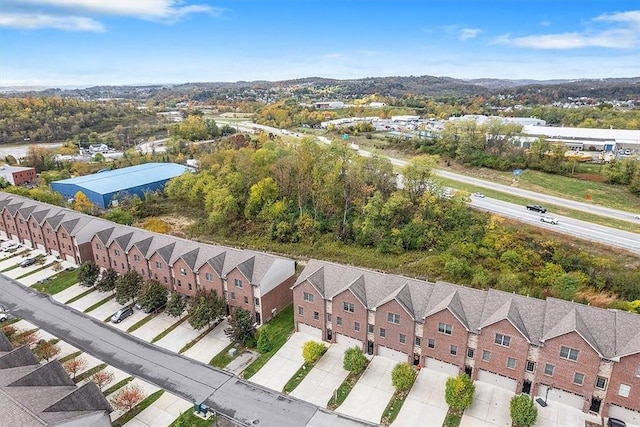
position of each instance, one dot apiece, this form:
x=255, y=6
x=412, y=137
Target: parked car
x=549, y=219
x=478, y=195
x=614, y=422
x=28, y=262
x=9, y=246
x=122, y=314
x=537, y=208
x=150, y=308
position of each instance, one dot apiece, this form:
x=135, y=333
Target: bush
x=354, y=361
x=459, y=393
x=523, y=411
x=264, y=342
x=403, y=376
x=312, y=350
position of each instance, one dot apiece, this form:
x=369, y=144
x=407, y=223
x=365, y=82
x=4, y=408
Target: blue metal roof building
x=101, y=188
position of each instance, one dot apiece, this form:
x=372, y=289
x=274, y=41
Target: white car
x=10, y=246
x=548, y=219
x=478, y=195
x=637, y=217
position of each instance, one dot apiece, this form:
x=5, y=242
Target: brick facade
x=442, y=342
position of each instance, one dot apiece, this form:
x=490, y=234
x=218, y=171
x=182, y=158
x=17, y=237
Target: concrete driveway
x=210, y=345
x=147, y=389
x=425, y=401
x=284, y=364
x=162, y=412
x=179, y=337
x=154, y=327
x=19, y=271
x=45, y=273
x=558, y=415
x=325, y=377
x=88, y=300
x=107, y=309
x=372, y=393
x=69, y=293
x=490, y=407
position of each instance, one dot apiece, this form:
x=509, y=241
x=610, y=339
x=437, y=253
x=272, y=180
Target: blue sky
x=99, y=42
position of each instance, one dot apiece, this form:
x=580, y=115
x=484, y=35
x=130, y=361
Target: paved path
x=372, y=393
x=210, y=345
x=162, y=412
x=69, y=293
x=490, y=407
x=425, y=402
x=184, y=377
x=155, y=327
x=325, y=377
x=559, y=415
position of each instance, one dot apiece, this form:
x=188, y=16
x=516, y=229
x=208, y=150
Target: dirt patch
x=592, y=177
x=177, y=223
x=596, y=299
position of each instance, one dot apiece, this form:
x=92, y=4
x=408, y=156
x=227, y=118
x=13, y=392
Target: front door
x=526, y=387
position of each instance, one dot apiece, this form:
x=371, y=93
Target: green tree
x=354, y=360
x=264, y=342
x=119, y=215
x=523, y=411
x=459, y=393
x=204, y=308
x=152, y=295
x=176, y=305
x=128, y=286
x=417, y=175
x=88, y=274
x=312, y=350
x=107, y=282
x=241, y=323
x=403, y=376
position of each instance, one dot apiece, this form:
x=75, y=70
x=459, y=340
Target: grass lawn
x=297, y=378
x=343, y=391
x=141, y=322
x=223, y=358
x=393, y=407
x=82, y=295
x=117, y=386
x=70, y=356
x=89, y=373
x=58, y=283
x=129, y=415
x=279, y=329
x=168, y=330
x=452, y=420
x=189, y=419
x=36, y=270
x=99, y=303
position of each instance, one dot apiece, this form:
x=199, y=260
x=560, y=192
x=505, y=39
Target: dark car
x=536, y=208
x=28, y=262
x=614, y=422
x=150, y=308
x=122, y=314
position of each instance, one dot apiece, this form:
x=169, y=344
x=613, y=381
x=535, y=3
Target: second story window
x=445, y=328
x=158, y=264
x=136, y=258
x=208, y=277
x=393, y=318
x=183, y=272
x=237, y=283
x=348, y=306
x=569, y=353
x=503, y=340
x=308, y=297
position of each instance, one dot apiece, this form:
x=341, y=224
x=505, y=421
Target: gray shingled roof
x=524, y=313
x=105, y=234
x=49, y=374
x=5, y=344
x=85, y=398
x=190, y=258
x=627, y=333
x=40, y=215
x=402, y=295
x=450, y=302
x=20, y=356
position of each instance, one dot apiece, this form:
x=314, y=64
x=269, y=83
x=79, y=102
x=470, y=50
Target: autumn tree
x=88, y=273
x=21, y=338
x=102, y=378
x=81, y=203
x=127, y=398
x=46, y=350
x=75, y=365
x=459, y=393
x=312, y=350
x=107, y=282
x=156, y=225
x=128, y=286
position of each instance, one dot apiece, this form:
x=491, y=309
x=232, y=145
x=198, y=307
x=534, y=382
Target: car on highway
x=27, y=262
x=480, y=195
x=536, y=208
x=637, y=217
x=549, y=219
x=122, y=314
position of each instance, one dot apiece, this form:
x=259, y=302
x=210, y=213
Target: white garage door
x=28, y=243
x=392, y=354
x=563, y=397
x=348, y=341
x=310, y=330
x=70, y=258
x=624, y=414
x=497, y=380
x=41, y=246
x=440, y=366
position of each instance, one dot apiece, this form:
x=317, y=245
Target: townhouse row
x=582, y=356
x=257, y=282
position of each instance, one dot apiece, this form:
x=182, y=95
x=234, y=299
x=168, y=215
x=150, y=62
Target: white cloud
x=468, y=33
x=625, y=36
x=38, y=21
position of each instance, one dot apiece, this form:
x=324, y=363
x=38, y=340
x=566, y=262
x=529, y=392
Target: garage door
x=392, y=354
x=440, y=366
x=497, y=380
x=626, y=415
x=28, y=243
x=70, y=258
x=348, y=341
x=563, y=397
x=310, y=330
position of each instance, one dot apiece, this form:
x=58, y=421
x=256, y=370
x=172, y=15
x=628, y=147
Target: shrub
x=264, y=342
x=312, y=350
x=354, y=361
x=403, y=376
x=523, y=411
x=459, y=393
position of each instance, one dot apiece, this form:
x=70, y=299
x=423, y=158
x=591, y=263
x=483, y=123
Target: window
x=165, y=279
x=308, y=297
x=237, y=283
x=578, y=378
x=233, y=294
x=64, y=235
x=531, y=366
x=179, y=281
x=356, y=326
x=418, y=342
x=470, y=353
x=98, y=246
x=486, y=355
x=158, y=264
x=338, y=320
x=638, y=371
x=601, y=383
x=503, y=340
x=117, y=252
x=569, y=353
x=208, y=277
x=403, y=339
x=348, y=306
x=511, y=363
x=548, y=369
x=190, y=286
x=136, y=258
x=370, y=328
x=246, y=300
x=183, y=272
x=453, y=350
x=393, y=318
x=256, y=301
x=328, y=316
x=431, y=343
x=316, y=315
x=300, y=308
x=624, y=390
x=444, y=328
x=383, y=332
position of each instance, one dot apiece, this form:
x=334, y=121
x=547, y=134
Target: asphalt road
x=241, y=400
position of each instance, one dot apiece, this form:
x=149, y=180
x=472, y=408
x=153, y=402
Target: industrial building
x=105, y=187
x=18, y=175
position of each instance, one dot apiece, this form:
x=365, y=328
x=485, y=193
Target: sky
x=78, y=43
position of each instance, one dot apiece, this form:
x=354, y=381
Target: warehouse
x=103, y=187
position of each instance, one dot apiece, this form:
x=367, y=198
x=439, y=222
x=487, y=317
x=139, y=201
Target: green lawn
x=223, y=358
x=141, y=322
x=89, y=373
x=117, y=386
x=297, y=378
x=128, y=416
x=189, y=419
x=70, y=356
x=393, y=407
x=343, y=391
x=279, y=329
x=452, y=420
x=58, y=283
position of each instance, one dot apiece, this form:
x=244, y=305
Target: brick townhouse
x=582, y=356
x=255, y=281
